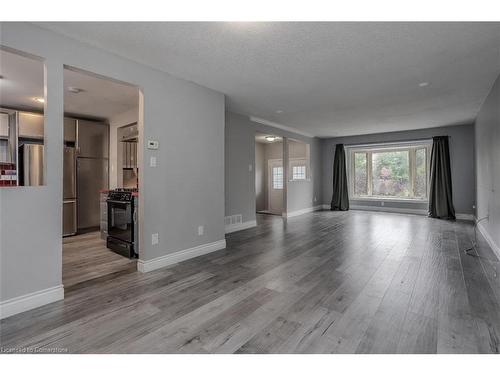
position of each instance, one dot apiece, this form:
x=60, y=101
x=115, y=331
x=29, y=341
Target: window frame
x=369, y=150
x=298, y=171
x=299, y=162
x=273, y=175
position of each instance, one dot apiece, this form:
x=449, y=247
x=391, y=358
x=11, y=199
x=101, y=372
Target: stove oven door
x=120, y=220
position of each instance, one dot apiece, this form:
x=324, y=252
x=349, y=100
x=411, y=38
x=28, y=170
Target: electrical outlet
x=315, y=199
x=201, y=229
x=155, y=239
x=152, y=161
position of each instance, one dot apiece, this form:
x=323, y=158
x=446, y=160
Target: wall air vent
x=233, y=219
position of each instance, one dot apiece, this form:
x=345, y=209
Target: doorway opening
x=102, y=144
x=270, y=183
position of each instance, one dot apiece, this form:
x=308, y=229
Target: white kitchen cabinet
x=4, y=125
x=30, y=125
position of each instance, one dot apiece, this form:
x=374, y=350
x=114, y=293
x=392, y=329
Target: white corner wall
x=184, y=191
x=487, y=148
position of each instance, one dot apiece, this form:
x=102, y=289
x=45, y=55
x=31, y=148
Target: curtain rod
x=419, y=140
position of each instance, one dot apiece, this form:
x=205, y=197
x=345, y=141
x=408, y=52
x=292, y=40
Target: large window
x=394, y=172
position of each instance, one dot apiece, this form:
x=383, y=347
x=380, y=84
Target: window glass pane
x=277, y=177
x=360, y=175
x=299, y=172
x=390, y=174
x=421, y=174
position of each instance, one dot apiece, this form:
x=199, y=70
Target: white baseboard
x=469, y=217
x=179, y=256
x=236, y=227
x=30, y=301
x=487, y=237
x=303, y=211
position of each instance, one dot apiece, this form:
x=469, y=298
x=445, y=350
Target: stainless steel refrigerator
x=92, y=144
x=31, y=165
x=69, y=192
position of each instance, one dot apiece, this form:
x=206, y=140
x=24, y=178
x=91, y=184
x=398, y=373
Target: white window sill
x=395, y=200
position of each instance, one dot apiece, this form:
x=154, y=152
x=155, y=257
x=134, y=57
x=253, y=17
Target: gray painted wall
x=239, y=155
x=260, y=178
x=462, y=163
x=240, y=143
x=488, y=163
x=184, y=191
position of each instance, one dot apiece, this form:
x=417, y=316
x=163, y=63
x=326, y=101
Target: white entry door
x=276, y=182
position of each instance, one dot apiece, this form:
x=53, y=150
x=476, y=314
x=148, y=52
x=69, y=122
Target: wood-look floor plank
x=324, y=282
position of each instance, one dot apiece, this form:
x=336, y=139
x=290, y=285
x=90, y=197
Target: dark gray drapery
x=340, y=197
x=440, y=193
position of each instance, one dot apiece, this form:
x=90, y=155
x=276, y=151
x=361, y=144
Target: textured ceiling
x=100, y=97
x=23, y=81
x=329, y=79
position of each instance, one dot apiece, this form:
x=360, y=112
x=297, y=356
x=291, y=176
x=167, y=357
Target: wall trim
x=489, y=240
x=469, y=217
x=303, y=211
x=179, y=256
x=279, y=126
x=236, y=227
x=31, y=301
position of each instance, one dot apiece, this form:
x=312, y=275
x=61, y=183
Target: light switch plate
x=152, y=161
x=155, y=239
x=201, y=229
x=153, y=145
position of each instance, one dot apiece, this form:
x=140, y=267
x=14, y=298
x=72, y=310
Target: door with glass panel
x=275, y=186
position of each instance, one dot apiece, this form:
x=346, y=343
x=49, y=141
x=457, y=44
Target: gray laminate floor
x=325, y=282
x=86, y=257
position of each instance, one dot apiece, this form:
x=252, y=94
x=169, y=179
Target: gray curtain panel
x=340, y=198
x=440, y=193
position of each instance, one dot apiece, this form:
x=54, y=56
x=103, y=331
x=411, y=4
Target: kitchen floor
x=86, y=258
x=323, y=282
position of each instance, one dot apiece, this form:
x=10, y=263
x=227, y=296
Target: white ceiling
x=24, y=80
x=329, y=79
x=100, y=97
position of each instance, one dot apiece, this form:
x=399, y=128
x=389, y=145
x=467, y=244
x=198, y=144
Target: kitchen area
x=100, y=162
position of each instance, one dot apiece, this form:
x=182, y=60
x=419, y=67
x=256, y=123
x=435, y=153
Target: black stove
x=121, y=194
x=122, y=222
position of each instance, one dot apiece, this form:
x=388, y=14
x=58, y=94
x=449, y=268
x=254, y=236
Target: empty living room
x=230, y=179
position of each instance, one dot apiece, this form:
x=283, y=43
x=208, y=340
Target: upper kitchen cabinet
x=69, y=130
x=92, y=139
x=4, y=125
x=22, y=148
x=30, y=125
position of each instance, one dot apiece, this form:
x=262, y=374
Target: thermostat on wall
x=153, y=145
